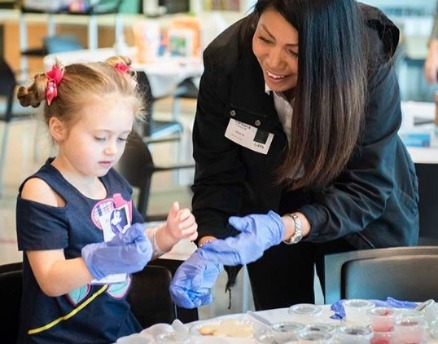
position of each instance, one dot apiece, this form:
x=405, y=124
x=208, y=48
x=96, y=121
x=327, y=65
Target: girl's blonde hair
x=82, y=82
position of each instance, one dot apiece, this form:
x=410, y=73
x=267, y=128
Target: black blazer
x=373, y=203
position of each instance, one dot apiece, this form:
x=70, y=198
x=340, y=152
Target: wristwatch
x=298, y=234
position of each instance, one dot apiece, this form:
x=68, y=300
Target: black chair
x=405, y=273
x=428, y=205
x=138, y=167
x=11, y=290
x=154, y=130
x=183, y=314
x=10, y=110
x=149, y=296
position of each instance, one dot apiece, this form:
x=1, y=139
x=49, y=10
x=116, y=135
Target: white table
x=164, y=73
x=273, y=316
x=423, y=110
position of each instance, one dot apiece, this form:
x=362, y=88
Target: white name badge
x=248, y=136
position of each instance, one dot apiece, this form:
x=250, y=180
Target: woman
x=297, y=117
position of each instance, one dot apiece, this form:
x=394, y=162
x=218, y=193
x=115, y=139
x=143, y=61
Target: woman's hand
x=257, y=234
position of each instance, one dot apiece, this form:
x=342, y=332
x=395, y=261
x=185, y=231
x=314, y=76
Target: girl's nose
x=111, y=148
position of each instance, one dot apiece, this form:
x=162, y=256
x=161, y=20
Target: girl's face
x=275, y=44
x=96, y=141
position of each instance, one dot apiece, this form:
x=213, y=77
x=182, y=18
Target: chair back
x=145, y=128
x=137, y=166
x=150, y=297
x=11, y=290
x=7, y=88
x=150, y=128
x=405, y=273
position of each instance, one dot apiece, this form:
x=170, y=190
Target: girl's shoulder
x=38, y=188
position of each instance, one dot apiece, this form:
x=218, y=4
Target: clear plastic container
x=357, y=334
x=305, y=313
x=286, y=331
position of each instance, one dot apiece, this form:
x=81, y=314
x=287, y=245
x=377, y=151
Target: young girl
x=76, y=264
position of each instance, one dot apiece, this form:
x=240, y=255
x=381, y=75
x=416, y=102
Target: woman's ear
x=57, y=129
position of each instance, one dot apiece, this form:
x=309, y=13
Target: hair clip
x=121, y=67
x=55, y=76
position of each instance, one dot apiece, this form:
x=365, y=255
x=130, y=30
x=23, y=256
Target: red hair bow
x=121, y=67
x=55, y=77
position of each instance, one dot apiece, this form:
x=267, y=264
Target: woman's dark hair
x=331, y=87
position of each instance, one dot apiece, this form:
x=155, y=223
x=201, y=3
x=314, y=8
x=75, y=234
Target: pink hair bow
x=121, y=67
x=55, y=77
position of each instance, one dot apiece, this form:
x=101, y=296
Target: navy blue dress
x=92, y=313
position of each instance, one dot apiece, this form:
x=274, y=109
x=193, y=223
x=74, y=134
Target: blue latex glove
x=193, y=280
x=125, y=253
x=257, y=234
x=338, y=308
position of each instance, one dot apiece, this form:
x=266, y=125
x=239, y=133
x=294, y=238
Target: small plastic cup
x=410, y=327
x=326, y=328
x=383, y=338
x=313, y=336
x=283, y=332
x=354, y=334
x=382, y=319
x=356, y=311
x=305, y=312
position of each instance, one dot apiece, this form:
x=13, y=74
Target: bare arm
x=55, y=275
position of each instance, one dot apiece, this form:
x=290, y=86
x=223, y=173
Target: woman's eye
x=123, y=139
x=293, y=53
x=99, y=138
x=264, y=39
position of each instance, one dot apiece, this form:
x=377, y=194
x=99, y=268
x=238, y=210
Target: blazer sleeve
x=220, y=174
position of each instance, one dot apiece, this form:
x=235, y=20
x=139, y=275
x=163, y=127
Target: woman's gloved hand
x=193, y=280
x=125, y=253
x=257, y=234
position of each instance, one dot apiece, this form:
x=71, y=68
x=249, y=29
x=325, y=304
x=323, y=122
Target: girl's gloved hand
x=125, y=253
x=193, y=280
x=257, y=234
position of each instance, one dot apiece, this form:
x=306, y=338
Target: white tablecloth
x=274, y=316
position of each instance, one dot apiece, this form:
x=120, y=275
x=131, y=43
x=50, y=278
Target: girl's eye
x=123, y=139
x=99, y=139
